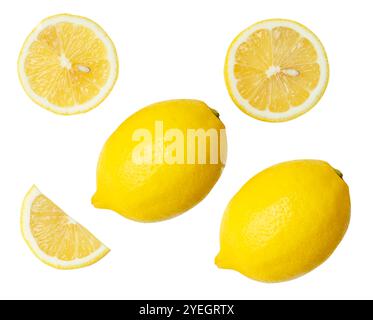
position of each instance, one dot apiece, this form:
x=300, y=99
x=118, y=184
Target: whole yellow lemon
x=285, y=222
x=162, y=161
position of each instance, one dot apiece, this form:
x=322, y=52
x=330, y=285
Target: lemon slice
x=276, y=70
x=55, y=238
x=68, y=64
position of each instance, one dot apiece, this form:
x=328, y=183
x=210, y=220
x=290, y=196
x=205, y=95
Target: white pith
x=293, y=111
x=26, y=212
x=112, y=58
x=65, y=63
x=273, y=70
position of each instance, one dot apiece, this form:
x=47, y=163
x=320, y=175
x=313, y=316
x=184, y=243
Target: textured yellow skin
x=285, y=222
x=155, y=192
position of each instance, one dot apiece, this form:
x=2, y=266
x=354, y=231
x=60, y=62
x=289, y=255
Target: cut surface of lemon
x=276, y=70
x=54, y=237
x=68, y=64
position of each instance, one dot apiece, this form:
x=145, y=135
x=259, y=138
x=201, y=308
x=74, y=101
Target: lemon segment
x=54, y=237
x=68, y=64
x=276, y=70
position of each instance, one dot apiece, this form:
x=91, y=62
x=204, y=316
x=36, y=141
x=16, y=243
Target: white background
x=176, y=49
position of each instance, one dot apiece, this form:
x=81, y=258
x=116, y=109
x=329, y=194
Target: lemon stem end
x=215, y=112
x=338, y=172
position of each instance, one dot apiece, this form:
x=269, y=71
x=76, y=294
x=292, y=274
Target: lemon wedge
x=54, y=237
x=68, y=64
x=276, y=70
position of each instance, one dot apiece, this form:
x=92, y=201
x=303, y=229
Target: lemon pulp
x=54, y=237
x=68, y=64
x=276, y=70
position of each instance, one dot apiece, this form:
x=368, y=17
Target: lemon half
x=276, y=70
x=68, y=64
x=54, y=237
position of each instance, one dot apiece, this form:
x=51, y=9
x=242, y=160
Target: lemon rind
x=96, y=256
x=105, y=91
x=294, y=112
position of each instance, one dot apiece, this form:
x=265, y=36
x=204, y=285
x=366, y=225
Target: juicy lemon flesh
x=55, y=238
x=285, y=222
x=276, y=69
x=58, y=235
x=153, y=192
x=67, y=64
